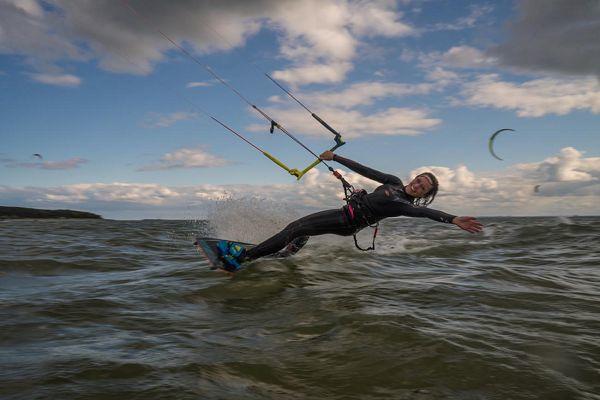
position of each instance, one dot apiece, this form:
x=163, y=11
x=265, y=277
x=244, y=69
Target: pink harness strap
x=351, y=211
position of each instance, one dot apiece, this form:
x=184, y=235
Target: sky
x=118, y=115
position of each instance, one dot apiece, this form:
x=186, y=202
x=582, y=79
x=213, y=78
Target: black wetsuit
x=387, y=200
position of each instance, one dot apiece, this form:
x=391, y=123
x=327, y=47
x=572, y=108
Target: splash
x=565, y=220
x=248, y=219
x=395, y=244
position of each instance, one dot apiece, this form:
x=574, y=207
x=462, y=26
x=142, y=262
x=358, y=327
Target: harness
x=355, y=205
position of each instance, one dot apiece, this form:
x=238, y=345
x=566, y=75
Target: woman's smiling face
x=419, y=187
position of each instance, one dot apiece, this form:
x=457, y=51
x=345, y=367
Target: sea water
x=102, y=309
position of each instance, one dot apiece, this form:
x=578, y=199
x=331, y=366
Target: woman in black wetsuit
x=391, y=199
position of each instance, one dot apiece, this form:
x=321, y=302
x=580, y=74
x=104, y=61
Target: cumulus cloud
x=28, y=30
x=568, y=170
x=457, y=180
x=355, y=123
x=364, y=93
x=464, y=192
x=128, y=41
x=321, y=49
x=57, y=79
x=70, y=163
x=347, y=110
x=568, y=184
x=110, y=192
x=476, y=14
x=464, y=57
x=197, y=84
x=441, y=66
x=314, y=73
x=316, y=189
x=318, y=38
x=156, y=120
x=556, y=36
x=377, y=18
x=186, y=158
x=442, y=78
x=534, y=98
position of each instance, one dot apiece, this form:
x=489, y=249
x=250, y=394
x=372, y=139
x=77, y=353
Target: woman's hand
x=469, y=224
x=327, y=155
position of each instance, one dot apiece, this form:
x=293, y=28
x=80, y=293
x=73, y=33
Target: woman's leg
x=320, y=223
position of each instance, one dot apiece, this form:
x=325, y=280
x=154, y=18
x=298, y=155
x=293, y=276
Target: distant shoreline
x=24, y=212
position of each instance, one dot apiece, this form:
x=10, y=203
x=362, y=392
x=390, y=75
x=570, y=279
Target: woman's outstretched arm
x=367, y=172
x=469, y=224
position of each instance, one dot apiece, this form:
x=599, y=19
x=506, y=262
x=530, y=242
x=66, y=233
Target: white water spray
x=248, y=219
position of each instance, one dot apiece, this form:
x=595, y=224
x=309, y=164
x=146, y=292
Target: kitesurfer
x=391, y=199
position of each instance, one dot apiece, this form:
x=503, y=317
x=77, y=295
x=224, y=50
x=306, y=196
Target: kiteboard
x=208, y=247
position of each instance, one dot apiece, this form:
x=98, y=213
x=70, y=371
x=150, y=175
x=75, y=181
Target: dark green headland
x=23, y=212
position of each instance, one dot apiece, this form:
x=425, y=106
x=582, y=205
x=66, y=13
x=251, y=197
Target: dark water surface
x=129, y=310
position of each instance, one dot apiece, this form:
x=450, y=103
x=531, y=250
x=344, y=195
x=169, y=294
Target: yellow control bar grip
x=292, y=171
x=311, y=166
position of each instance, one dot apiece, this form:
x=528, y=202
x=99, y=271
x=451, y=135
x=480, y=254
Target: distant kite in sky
x=536, y=188
x=38, y=156
x=493, y=137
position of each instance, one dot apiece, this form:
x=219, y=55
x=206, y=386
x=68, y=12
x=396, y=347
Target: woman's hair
x=428, y=198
